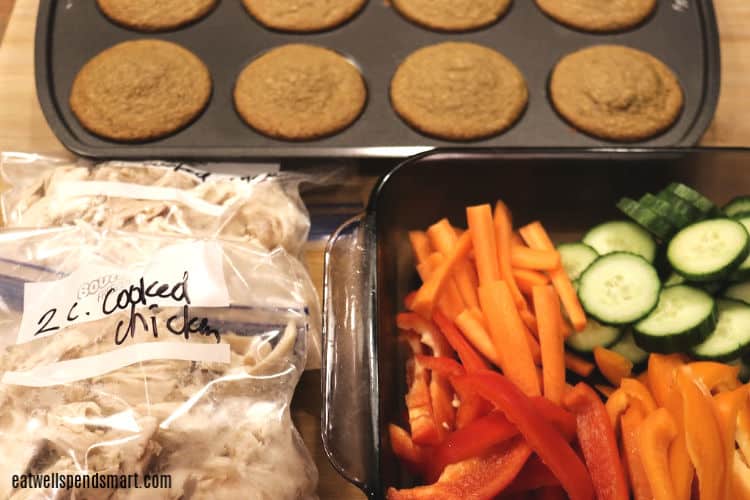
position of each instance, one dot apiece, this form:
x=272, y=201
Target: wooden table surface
x=23, y=128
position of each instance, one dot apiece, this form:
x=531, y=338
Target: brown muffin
x=303, y=15
x=598, y=15
x=458, y=91
x=140, y=90
x=452, y=15
x=155, y=15
x=616, y=92
x=300, y=92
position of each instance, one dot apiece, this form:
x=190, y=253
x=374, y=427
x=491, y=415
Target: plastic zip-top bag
x=150, y=366
x=259, y=204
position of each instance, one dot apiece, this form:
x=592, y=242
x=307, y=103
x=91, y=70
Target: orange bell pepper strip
x=471, y=360
x=662, y=380
x=409, y=300
x=503, y=236
x=547, y=308
x=427, y=332
x=612, y=365
x=631, y=393
x=630, y=424
x=420, y=245
x=415, y=457
x=482, y=231
x=446, y=367
x=578, y=365
x=534, y=259
x=543, y=438
x=657, y=432
x=727, y=406
x=740, y=477
x=703, y=436
x=605, y=390
x=527, y=280
x=510, y=337
x=717, y=377
x=536, y=237
x=477, y=335
x=474, y=440
x=424, y=302
x=443, y=237
x=479, y=477
x=598, y=443
x=449, y=299
x=743, y=432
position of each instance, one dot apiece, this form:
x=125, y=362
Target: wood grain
x=23, y=128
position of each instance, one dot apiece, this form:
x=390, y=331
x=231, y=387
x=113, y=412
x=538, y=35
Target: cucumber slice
x=655, y=224
x=679, y=218
x=731, y=337
x=681, y=205
x=742, y=273
x=740, y=291
x=594, y=335
x=708, y=250
x=627, y=347
x=619, y=288
x=738, y=207
x=675, y=279
x=621, y=236
x=576, y=257
x=684, y=318
x=703, y=204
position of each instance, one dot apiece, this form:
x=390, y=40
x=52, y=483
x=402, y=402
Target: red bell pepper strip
x=446, y=367
x=474, y=440
x=441, y=394
x=543, y=438
x=551, y=493
x=412, y=455
x=471, y=405
x=598, y=442
x=424, y=428
x=471, y=360
x=533, y=476
x=478, y=478
x=561, y=419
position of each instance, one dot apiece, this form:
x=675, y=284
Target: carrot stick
x=527, y=279
x=482, y=232
x=547, y=309
x=578, y=365
x=530, y=321
x=475, y=332
x=443, y=237
x=424, y=302
x=471, y=360
x=420, y=245
x=479, y=315
x=532, y=258
x=509, y=336
x=612, y=365
x=536, y=237
x=516, y=240
x=503, y=235
x=449, y=300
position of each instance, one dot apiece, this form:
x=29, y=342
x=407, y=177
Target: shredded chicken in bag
x=161, y=198
x=127, y=354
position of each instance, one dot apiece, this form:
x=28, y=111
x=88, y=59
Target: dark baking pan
x=369, y=266
x=70, y=32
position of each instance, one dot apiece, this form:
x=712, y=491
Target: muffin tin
x=69, y=33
